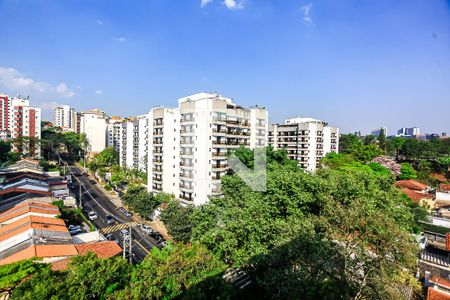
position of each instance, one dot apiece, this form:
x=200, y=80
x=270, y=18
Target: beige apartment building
x=306, y=140
x=188, y=144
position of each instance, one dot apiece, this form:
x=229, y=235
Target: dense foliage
x=183, y=270
x=7, y=157
x=143, y=202
x=178, y=221
x=106, y=158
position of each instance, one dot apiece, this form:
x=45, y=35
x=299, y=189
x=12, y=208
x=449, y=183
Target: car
x=71, y=227
x=125, y=212
x=163, y=244
x=92, y=181
x=76, y=174
x=73, y=230
x=157, y=236
x=125, y=232
x=110, y=219
x=111, y=237
x=146, y=229
x=92, y=215
x=85, y=174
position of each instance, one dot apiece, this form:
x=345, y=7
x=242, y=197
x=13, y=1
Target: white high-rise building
x=133, y=144
x=93, y=123
x=114, y=132
x=305, y=140
x=188, y=145
x=65, y=117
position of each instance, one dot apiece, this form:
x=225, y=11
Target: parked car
x=110, y=219
x=163, y=244
x=146, y=229
x=157, y=236
x=111, y=237
x=77, y=174
x=125, y=232
x=92, y=181
x=92, y=215
x=125, y=212
x=85, y=174
x=73, y=230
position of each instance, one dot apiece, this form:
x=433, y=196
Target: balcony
x=218, y=131
x=185, y=175
x=184, y=164
x=186, y=153
x=187, y=120
x=186, y=142
x=219, y=154
x=157, y=161
x=187, y=187
x=157, y=170
x=221, y=142
x=157, y=179
x=186, y=197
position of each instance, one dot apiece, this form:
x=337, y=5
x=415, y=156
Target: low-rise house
x=418, y=192
x=443, y=193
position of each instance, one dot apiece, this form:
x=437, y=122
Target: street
x=94, y=199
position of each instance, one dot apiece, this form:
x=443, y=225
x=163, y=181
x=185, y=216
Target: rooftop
x=416, y=196
x=444, y=187
x=411, y=184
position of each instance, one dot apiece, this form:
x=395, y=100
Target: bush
x=407, y=172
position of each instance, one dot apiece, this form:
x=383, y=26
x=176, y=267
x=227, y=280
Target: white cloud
x=120, y=39
x=15, y=82
x=99, y=22
x=63, y=90
x=49, y=106
x=98, y=92
x=233, y=4
x=306, y=13
x=205, y=2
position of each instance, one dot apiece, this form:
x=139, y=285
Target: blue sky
x=357, y=64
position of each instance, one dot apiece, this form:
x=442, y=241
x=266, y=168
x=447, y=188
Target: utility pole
x=79, y=193
x=131, y=250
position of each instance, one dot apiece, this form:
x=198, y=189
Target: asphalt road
x=94, y=199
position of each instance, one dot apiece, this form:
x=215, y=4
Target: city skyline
x=365, y=66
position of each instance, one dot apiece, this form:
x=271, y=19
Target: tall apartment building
x=65, y=117
x=133, y=150
x=93, y=123
x=18, y=119
x=5, y=116
x=306, y=140
x=188, y=145
x=114, y=132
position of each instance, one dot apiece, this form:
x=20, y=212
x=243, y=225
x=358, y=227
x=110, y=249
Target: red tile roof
x=41, y=251
x=445, y=187
x=416, y=196
x=411, y=184
x=434, y=294
x=440, y=281
x=102, y=249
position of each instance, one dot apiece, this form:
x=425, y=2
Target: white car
x=146, y=229
x=92, y=215
x=125, y=232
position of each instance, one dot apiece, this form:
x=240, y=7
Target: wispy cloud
x=204, y=3
x=233, y=4
x=98, y=92
x=120, y=39
x=99, y=22
x=307, y=13
x=15, y=82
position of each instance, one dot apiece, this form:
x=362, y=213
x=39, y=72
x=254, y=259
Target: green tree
x=13, y=274
x=407, y=172
x=106, y=158
x=177, y=219
x=181, y=271
x=141, y=201
x=88, y=277
x=346, y=141
x=382, y=142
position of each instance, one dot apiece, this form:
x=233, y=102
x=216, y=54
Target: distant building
x=114, y=132
x=93, y=123
x=133, y=150
x=305, y=140
x=408, y=132
x=377, y=132
x=65, y=117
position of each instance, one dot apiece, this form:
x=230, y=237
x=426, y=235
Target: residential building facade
x=305, y=140
x=65, y=117
x=133, y=149
x=93, y=123
x=188, y=145
x=114, y=132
